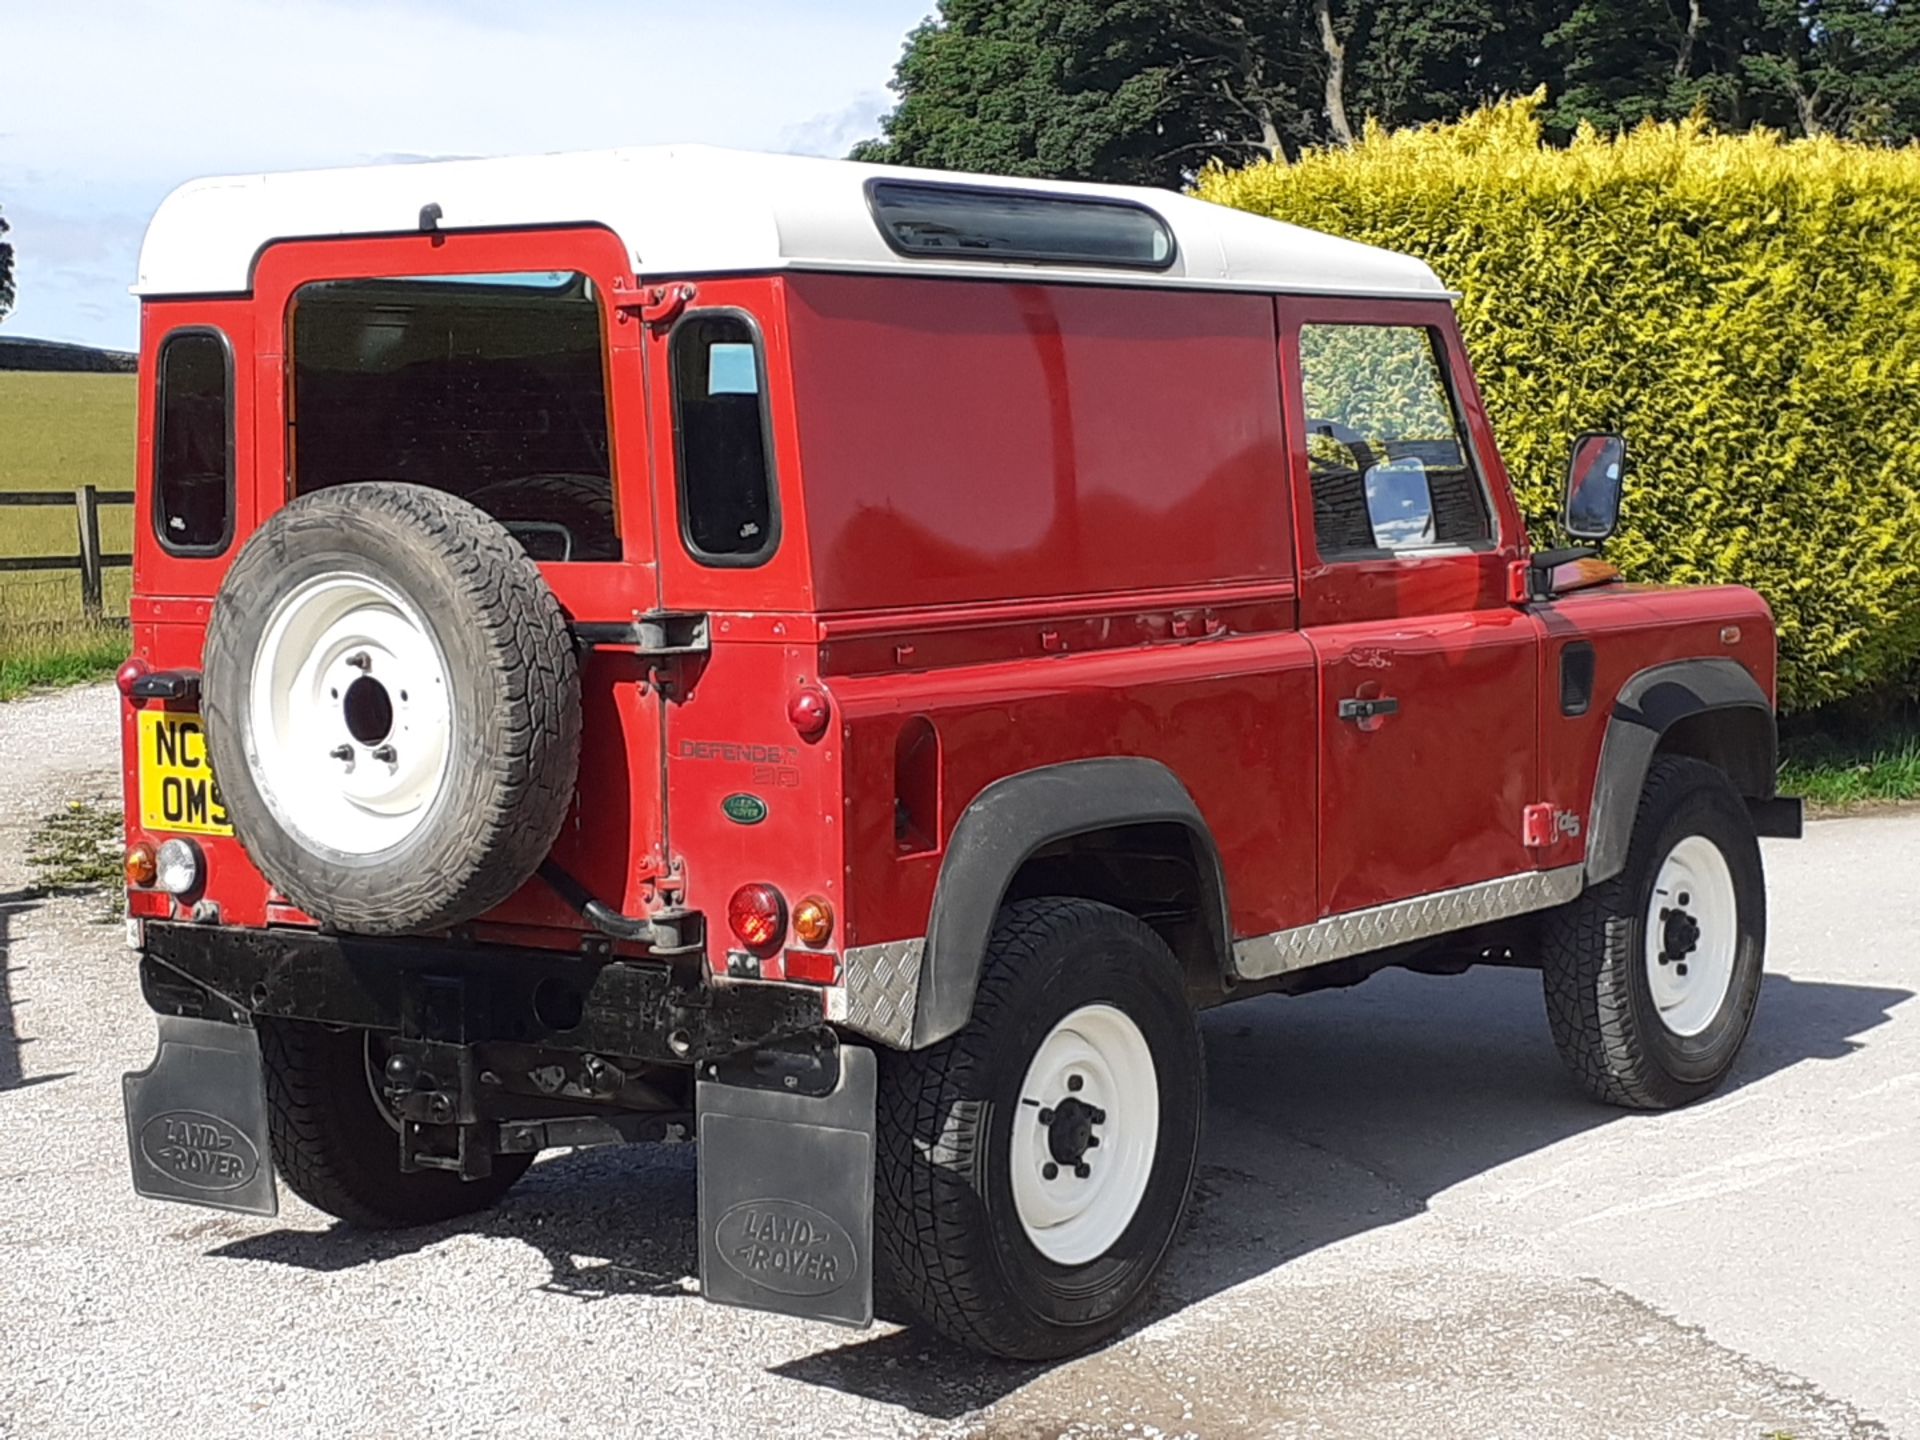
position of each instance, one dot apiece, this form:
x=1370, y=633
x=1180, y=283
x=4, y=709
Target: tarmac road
x=1407, y=1225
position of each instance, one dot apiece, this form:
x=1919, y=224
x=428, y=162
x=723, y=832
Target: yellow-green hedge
x=1745, y=309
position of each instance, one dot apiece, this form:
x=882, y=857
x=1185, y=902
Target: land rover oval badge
x=786, y=1246
x=744, y=809
x=199, y=1150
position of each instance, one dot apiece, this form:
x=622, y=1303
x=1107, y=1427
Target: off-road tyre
x=514, y=691
x=950, y=1242
x=338, y=1151
x=1594, y=958
x=582, y=505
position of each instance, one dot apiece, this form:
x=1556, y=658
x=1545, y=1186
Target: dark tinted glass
x=1006, y=225
x=193, y=444
x=720, y=428
x=490, y=387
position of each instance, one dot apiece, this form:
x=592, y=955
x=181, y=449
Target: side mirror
x=1594, y=477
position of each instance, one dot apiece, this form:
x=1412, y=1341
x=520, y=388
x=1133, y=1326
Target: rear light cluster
x=177, y=867
x=757, y=916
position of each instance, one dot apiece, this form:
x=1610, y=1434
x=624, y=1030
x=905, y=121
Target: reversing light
x=813, y=920
x=139, y=863
x=757, y=915
x=177, y=867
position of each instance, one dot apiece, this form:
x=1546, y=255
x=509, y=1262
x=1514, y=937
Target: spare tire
x=392, y=705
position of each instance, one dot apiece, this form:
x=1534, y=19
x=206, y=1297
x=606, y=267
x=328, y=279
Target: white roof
x=694, y=210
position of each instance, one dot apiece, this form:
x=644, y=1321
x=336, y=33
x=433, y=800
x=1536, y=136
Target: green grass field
x=58, y=431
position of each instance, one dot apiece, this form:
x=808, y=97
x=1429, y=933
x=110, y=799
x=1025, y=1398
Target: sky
x=106, y=105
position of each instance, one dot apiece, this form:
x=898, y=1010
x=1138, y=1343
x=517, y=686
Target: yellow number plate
x=177, y=789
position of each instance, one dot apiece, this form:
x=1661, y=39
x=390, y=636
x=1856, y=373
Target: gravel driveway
x=1407, y=1225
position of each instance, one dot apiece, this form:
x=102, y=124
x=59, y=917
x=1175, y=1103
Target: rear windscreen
x=489, y=387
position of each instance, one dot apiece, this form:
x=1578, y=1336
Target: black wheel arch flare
x=1716, y=705
x=1011, y=820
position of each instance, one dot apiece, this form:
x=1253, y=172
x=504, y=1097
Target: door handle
x=1359, y=710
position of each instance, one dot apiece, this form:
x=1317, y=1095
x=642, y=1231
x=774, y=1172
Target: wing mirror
x=1594, y=478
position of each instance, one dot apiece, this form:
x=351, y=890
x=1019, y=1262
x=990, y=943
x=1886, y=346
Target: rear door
x=497, y=367
x=1427, y=674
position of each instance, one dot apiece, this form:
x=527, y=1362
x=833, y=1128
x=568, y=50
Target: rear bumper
x=615, y=1008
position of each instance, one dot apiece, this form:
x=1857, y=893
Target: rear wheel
x=1035, y=1167
x=337, y=1147
x=1652, y=977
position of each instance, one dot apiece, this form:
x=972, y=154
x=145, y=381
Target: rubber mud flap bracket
x=197, y=1119
x=786, y=1193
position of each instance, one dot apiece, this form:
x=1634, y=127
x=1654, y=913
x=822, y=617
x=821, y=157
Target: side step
x=197, y=1119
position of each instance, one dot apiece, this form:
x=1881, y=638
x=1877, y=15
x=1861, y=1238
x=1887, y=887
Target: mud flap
x=197, y=1119
x=786, y=1187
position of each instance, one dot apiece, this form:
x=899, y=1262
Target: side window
x=721, y=439
x=1389, y=466
x=193, y=443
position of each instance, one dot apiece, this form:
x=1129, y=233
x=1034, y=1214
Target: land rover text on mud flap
x=842, y=664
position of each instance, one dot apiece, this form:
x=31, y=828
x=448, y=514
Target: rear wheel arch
x=1706, y=709
x=1116, y=830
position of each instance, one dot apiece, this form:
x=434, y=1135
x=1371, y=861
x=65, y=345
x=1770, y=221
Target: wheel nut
x=385, y=755
x=1074, y=1082
x=341, y=752
x=1082, y=1170
x=1046, y=1117
x=1093, y=1142
x=1049, y=1170
x=360, y=661
x=1099, y=1116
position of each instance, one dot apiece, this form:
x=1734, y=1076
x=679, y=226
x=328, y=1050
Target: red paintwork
x=1049, y=522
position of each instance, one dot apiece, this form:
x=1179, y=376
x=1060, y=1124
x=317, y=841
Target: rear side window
x=722, y=440
x=193, y=443
x=491, y=387
x=1386, y=452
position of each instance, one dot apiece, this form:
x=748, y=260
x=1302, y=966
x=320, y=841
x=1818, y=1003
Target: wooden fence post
x=86, y=506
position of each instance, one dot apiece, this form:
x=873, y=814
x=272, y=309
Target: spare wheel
x=392, y=705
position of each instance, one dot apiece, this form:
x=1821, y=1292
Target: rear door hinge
x=664, y=639
x=655, y=305
x=655, y=634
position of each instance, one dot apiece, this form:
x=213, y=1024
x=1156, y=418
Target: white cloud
x=111, y=103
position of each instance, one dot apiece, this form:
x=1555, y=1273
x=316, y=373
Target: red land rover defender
x=842, y=664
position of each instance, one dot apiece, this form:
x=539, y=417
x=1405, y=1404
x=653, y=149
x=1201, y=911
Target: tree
x=1806, y=67
x=1147, y=92
x=6, y=270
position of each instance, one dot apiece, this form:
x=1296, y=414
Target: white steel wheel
x=350, y=730
x=1692, y=935
x=1084, y=1138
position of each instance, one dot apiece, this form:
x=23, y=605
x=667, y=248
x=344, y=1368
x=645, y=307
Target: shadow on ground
x=1332, y=1114
x=13, y=1074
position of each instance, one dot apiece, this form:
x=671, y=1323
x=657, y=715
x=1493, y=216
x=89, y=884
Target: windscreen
x=490, y=387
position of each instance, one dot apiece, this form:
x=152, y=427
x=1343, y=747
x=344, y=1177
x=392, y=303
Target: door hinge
x=1545, y=825
x=655, y=634
x=655, y=305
